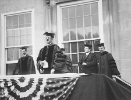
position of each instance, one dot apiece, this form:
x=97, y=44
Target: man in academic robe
x=25, y=64
x=88, y=62
x=46, y=54
x=106, y=63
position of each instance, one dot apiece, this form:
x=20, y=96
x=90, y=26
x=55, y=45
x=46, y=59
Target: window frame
x=59, y=21
x=3, y=40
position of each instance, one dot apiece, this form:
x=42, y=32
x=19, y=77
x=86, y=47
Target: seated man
x=62, y=63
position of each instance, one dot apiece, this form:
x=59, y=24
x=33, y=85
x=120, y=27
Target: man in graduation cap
x=25, y=64
x=88, y=62
x=45, y=59
x=106, y=62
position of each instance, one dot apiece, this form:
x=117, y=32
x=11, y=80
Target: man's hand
x=41, y=71
x=52, y=71
x=83, y=63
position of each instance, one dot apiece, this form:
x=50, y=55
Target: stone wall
x=125, y=38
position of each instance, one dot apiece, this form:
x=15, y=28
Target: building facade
x=23, y=22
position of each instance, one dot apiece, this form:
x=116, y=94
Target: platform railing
x=122, y=82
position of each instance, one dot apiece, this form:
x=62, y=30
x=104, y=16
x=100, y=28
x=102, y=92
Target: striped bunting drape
x=23, y=88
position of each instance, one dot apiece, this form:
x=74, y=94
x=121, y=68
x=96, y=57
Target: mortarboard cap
x=62, y=49
x=88, y=45
x=101, y=44
x=49, y=34
x=24, y=47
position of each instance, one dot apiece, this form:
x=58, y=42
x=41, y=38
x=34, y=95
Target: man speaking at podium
x=46, y=55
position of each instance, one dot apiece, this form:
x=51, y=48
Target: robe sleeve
x=39, y=58
x=31, y=65
x=56, y=48
x=93, y=62
x=69, y=63
x=40, y=55
x=113, y=65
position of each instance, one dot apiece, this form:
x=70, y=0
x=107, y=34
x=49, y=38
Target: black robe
x=107, y=64
x=91, y=64
x=25, y=66
x=62, y=63
x=49, y=57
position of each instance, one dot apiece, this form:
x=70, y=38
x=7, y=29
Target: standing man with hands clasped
x=45, y=59
x=106, y=63
x=88, y=62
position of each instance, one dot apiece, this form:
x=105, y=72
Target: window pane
x=87, y=21
x=15, y=21
x=74, y=59
x=80, y=22
x=95, y=31
x=86, y=9
x=9, y=22
x=10, y=54
x=65, y=30
x=80, y=33
x=88, y=32
x=72, y=12
x=29, y=50
x=73, y=34
x=72, y=23
x=74, y=47
x=9, y=33
x=21, y=20
x=22, y=36
x=16, y=53
x=28, y=25
x=10, y=68
x=66, y=35
x=94, y=8
x=65, y=24
x=28, y=18
x=79, y=11
x=95, y=45
x=81, y=46
x=67, y=47
x=29, y=41
x=95, y=20
x=17, y=37
x=64, y=13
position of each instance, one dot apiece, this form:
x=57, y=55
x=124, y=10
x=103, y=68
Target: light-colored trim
x=33, y=39
x=59, y=26
x=3, y=38
x=2, y=64
x=76, y=2
x=101, y=21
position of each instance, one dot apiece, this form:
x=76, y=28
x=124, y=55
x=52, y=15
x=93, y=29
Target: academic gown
x=107, y=64
x=91, y=63
x=49, y=57
x=25, y=66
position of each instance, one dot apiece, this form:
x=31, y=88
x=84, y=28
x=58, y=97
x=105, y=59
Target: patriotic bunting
x=22, y=88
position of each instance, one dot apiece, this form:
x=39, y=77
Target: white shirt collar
x=87, y=53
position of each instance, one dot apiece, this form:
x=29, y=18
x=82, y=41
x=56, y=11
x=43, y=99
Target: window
x=79, y=24
x=18, y=34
